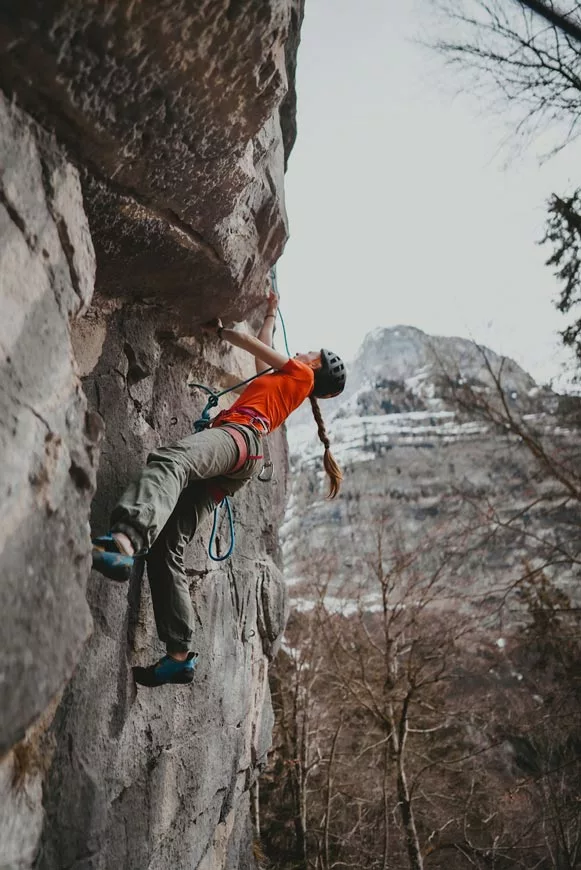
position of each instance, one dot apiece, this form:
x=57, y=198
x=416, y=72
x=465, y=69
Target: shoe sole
x=178, y=680
x=119, y=573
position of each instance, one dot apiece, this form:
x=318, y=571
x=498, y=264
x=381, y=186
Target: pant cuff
x=173, y=646
x=136, y=539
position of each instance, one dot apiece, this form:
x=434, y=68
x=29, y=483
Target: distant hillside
x=434, y=469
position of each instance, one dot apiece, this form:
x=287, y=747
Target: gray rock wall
x=48, y=444
x=160, y=778
x=47, y=438
x=175, y=152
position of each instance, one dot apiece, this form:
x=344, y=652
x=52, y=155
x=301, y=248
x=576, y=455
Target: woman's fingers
x=212, y=325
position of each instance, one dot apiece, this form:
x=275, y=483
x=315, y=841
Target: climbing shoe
x=167, y=670
x=110, y=561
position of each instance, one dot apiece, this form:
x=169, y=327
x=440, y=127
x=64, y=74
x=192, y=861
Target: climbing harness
x=267, y=470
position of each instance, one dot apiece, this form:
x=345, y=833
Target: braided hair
x=332, y=469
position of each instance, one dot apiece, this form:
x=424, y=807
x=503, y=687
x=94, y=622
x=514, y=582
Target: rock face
x=173, y=114
x=161, y=778
x=157, y=148
x=47, y=437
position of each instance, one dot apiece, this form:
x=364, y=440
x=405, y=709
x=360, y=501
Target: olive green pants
x=161, y=510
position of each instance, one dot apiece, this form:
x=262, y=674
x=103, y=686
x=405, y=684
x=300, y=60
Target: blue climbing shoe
x=167, y=670
x=109, y=561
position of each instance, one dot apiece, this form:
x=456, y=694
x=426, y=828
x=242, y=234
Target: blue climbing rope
x=283, y=332
x=204, y=421
x=215, y=558
x=274, y=283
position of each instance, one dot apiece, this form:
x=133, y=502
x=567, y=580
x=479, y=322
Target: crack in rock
x=67, y=246
x=17, y=219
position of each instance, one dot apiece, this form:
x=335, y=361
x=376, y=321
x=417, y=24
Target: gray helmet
x=330, y=378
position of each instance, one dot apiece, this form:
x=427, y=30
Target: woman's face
x=309, y=358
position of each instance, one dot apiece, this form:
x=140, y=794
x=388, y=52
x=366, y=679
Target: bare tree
x=306, y=738
x=416, y=740
x=528, y=52
x=388, y=723
x=531, y=60
x=563, y=233
x=560, y=20
x=542, y=519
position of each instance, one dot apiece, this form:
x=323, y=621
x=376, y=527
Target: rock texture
x=47, y=438
x=173, y=113
x=178, y=119
x=161, y=778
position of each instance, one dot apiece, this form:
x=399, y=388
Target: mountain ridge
x=403, y=370
x=419, y=436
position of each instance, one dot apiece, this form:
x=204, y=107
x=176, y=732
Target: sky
x=404, y=208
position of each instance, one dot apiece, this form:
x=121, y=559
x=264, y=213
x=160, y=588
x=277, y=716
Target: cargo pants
x=161, y=510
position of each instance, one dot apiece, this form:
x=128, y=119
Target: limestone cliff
x=149, y=141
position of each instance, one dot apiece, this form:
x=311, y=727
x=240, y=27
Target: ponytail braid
x=331, y=467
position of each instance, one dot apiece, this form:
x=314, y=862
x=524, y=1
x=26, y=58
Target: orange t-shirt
x=273, y=396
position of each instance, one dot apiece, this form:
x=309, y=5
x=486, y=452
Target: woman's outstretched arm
x=267, y=330
x=258, y=349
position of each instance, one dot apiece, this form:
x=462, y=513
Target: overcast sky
x=402, y=209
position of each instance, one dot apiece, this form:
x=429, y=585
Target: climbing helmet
x=330, y=378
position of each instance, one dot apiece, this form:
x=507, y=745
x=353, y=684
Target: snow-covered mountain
x=405, y=353
x=410, y=454
x=399, y=387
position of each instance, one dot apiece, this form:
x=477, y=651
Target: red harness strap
x=243, y=456
x=217, y=494
x=257, y=421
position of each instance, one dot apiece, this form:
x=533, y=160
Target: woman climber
x=179, y=487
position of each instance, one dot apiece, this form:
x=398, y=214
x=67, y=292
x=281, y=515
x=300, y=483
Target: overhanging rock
x=172, y=110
